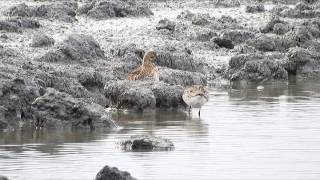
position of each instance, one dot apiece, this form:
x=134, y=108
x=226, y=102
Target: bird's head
x=149, y=57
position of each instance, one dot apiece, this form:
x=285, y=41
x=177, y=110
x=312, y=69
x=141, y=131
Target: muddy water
x=242, y=134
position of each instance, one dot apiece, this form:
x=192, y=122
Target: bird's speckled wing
x=135, y=74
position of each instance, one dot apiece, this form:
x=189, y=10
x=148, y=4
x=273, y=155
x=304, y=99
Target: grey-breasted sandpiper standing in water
x=195, y=97
x=147, y=70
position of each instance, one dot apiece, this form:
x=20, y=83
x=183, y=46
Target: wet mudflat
x=242, y=134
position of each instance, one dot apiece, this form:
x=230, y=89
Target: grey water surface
x=242, y=134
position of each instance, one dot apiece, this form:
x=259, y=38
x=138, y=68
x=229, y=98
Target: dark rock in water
x=76, y=47
x=166, y=24
x=143, y=95
x=64, y=11
x=303, y=63
x=41, y=40
x=255, y=8
x=237, y=36
x=16, y=97
x=3, y=178
x=114, y=8
x=60, y=110
x=221, y=42
x=180, y=77
x=257, y=68
x=147, y=143
x=18, y=24
x=113, y=173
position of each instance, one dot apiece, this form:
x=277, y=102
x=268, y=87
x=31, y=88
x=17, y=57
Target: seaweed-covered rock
x=281, y=26
x=168, y=96
x=76, y=47
x=180, y=77
x=17, y=24
x=299, y=36
x=204, y=34
x=3, y=122
x=178, y=59
x=16, y=97
x=256, y=8
x=143, y=95
x=222, y=42
x=225, y=22
x=303, y=63
x=245, y=49
x=147, y=143
x=78, y=85
x=114, y=8
x=301, y=10
x=41, y=40
x=201, y=19
x=113, y=173
x=237, y=36
x=228, y=3
x=256, y=68
x=64, y=11
x=9, y=27
x=262, y=43
x=126, y=58
x=130, y=95
x=166, y=24
x=60, y=110
x=187, y=15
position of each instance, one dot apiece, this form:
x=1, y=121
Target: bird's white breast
x=195, y=101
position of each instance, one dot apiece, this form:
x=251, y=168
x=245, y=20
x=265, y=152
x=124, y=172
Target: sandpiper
x=147, y=69
x=195, y=97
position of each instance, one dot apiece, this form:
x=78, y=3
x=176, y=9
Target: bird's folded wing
x=135, y=74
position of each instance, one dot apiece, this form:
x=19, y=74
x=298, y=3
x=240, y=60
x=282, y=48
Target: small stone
x=147, y=143
x=113, y=173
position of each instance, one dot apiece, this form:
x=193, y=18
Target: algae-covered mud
x=69, y=111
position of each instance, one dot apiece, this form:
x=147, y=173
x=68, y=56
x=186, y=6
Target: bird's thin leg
x=199, y=111
x=189, y=110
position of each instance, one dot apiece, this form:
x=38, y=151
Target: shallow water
x=242, y=134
